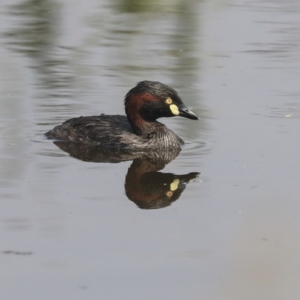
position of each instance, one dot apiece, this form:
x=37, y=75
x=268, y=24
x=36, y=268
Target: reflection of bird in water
x=144, y=185
x=144, y=104
x=150, y=189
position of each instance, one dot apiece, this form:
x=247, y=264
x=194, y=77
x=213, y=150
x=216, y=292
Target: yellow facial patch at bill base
x=174, y=109
x=174, y=185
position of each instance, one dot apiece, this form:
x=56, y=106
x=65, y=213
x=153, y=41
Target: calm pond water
x=72, y=228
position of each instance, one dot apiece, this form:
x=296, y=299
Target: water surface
x=68, y=230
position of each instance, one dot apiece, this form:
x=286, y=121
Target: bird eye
x=169, y=101
x=169, y=194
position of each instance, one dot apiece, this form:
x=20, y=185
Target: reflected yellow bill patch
x=174, y=109
x=174, y=185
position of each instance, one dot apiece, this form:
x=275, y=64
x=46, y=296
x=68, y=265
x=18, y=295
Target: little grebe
x=145, y=103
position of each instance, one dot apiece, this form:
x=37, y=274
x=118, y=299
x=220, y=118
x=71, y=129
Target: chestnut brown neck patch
x=133, y=105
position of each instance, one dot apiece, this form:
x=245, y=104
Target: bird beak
x=186, y=113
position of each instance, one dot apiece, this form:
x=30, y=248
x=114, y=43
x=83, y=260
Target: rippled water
x=69, y=228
